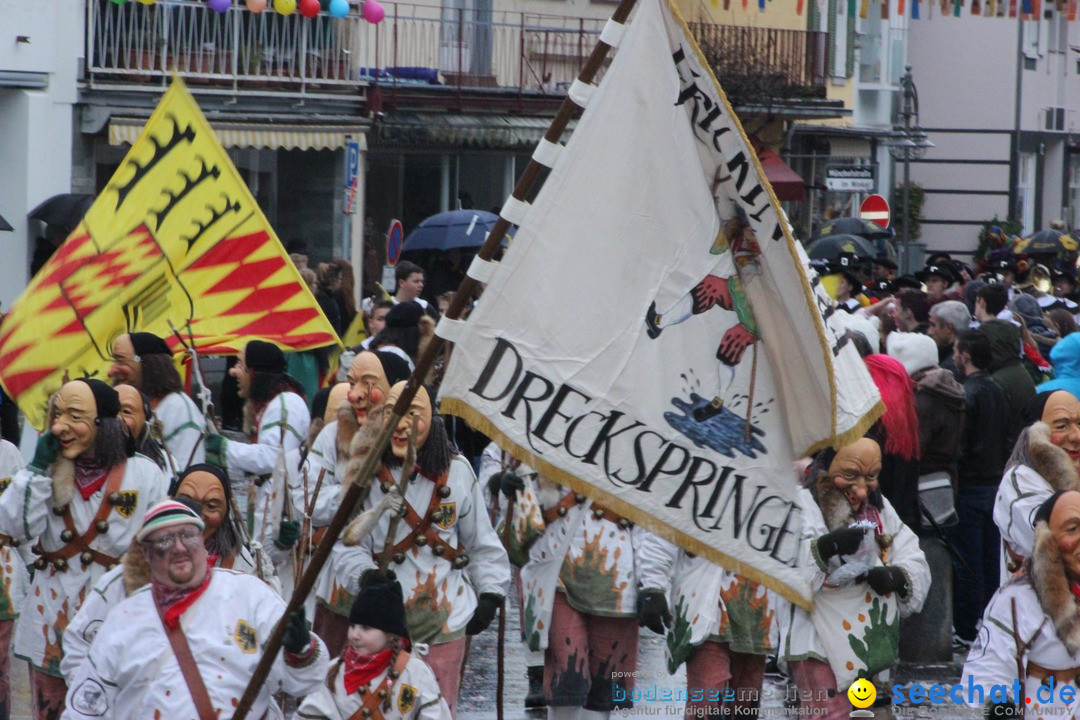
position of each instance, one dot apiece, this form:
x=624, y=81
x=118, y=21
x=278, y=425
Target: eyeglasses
x=190, y=539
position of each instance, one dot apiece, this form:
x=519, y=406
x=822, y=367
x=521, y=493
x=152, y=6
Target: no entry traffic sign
x=394, y=240
x=875, y=208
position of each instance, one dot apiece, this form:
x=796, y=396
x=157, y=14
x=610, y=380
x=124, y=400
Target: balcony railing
x=415, y=44
x=758, y=65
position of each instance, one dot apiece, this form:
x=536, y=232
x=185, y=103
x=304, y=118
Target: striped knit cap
x=168, y=513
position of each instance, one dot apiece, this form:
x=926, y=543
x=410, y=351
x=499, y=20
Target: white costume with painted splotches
x=324, y=460
x=592, y=560
x=439, y=599
x=284, y=422
x=858, y=617
x=110, y=590
x=14, y=576
x=706, y=601
x=131, y=672
x=26, y=510
x=182, y=428
x=413, y=696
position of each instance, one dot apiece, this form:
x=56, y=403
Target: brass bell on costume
x=114, y=498
x=399, y=558
x=461, y=561
x=67, y=536
x=385, y=486
x=14, y=542
x=444, y=491
x=382, y=692
x=624, y=523
x=393, y=674
x=362, y=690
x=61, y=564
x=562, y=511
x=59, y=510
x=102, y=526
x=40, y=563
x=597, y=514
x=439, y=550
x=579, y=498
x=86, y=558
x=421, y=540
x=366, y=712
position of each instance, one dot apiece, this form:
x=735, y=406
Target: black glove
x=48, y=447
x=886, y=579
x=486, y=605
x=1001, y=710
x=511, y=484
x=843, y=541
x=297, y=638
x=288, y=534
x=652, y=611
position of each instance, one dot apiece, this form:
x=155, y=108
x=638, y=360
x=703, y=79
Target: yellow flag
x=175, y=237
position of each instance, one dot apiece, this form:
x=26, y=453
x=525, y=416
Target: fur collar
x=1050, y=461
x=1052, y=588
x=136, y=568
x=346, y=429
x=63, y=477
x=360, y=445
x=314, y=429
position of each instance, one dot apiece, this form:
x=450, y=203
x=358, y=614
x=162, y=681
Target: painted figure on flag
x=737, y=249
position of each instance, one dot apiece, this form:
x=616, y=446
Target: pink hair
x=900, y=422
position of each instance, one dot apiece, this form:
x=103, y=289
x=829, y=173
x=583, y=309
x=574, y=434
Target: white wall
x=35, y=124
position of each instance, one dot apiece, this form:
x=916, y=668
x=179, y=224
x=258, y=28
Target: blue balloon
x=339, y=8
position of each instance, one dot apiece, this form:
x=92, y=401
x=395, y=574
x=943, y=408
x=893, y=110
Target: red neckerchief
x=89, y=476
x=174, y=601
x=362, y=669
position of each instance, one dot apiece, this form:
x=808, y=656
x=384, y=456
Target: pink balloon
x=309, y=8
x=256, y=6
x=220, y=6
x=373, y=12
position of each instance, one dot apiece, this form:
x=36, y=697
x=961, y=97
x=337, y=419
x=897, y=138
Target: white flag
x=651, y=305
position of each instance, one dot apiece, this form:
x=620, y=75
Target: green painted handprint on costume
x=880, y=641
x=678, y=637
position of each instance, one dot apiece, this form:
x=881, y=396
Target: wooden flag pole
x=358, y=490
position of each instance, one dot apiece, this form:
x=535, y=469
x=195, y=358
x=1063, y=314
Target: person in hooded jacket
x=939, y=403
x=1065, y=358
x=1005, y=365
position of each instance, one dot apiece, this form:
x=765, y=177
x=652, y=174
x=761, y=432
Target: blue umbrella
x=456, y=229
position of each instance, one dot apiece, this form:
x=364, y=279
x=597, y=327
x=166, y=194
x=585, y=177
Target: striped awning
x=124, y=131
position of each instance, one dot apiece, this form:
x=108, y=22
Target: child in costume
x=377, y=676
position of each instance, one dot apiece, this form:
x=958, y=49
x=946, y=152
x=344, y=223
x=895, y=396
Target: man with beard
x=370, y=377
x=1045, y=460
x=205, y=489
x=144, y=360
x=444, y=531
x=187, y=643
x=276, y=416
x=869, y=570
x=136, y=413
x=1036, y=611
x=81, y=500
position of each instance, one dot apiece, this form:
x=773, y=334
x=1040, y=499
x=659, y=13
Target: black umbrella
x=5, y=226
x=829, y=247
x=1046, y=242
x=63, y=212
x=855, y=226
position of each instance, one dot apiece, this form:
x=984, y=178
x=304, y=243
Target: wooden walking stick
x=358, y=491
x=501, y=679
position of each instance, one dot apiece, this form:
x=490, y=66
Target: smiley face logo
x=862, y=693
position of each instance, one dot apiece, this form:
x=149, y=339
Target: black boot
x=535, y=697
x=701, y=414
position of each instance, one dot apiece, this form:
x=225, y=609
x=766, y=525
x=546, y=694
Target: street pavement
x=477, y=700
